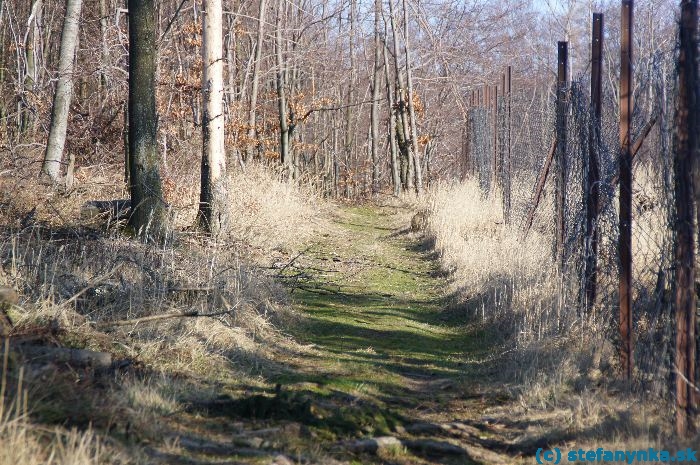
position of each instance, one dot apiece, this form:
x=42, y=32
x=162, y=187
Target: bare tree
x=64, y=91
x=213, y=192
x=375, y=96
x=395, y=174
x=256, y=77
x=402, y=129
x=411, y=110
x=149, y=213
x=281, y=95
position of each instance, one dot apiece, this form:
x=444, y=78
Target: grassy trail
x=384, y=372
x=389, y=359
x=376, y=313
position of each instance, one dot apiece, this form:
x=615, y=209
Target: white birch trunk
x=213, y=193
x=64, y=91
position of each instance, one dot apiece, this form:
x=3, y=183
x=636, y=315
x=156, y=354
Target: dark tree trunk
x=149, y=211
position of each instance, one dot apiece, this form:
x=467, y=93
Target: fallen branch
x=65, y=355
x=290, y=262
x=164, y=316
x=93, y=284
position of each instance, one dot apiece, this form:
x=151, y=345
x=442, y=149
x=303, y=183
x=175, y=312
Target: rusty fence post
x=508, y=128
x=592, y=191
x=560, y=157
x=625, y=167
x=686, y=145
x=496, y=164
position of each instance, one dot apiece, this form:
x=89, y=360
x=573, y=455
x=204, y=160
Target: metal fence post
x=560, y=158
x=592, y=190
x=686, y=144
x=625, y=166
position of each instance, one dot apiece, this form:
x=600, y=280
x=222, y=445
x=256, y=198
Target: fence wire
x=508, y=145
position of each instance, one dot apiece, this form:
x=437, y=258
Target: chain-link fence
x=511, y=150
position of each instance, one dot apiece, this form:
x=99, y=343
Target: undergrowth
x=85, y=284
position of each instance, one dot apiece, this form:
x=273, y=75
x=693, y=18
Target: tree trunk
x=149, y=213
x=375, y=98
x=104, y=56
x=402, y=123
x=395, y=174
x=213, y=193
x=350, y=175
x=411, y=112
x=251, y=143
x=281, y=96
x=3, y=109
x=64, y=91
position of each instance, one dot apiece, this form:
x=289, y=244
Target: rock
x=113, y=209
x=8, y=296
x=255, y=442
x=374, y=445
x=282, y=460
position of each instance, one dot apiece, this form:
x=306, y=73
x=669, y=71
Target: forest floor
x=389, y=373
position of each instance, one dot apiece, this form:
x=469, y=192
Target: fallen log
x=425, y=447
x=65, y=355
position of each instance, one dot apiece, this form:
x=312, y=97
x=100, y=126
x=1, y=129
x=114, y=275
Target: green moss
x=379, y=322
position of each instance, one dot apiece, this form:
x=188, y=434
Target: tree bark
x=395, y=174
x=402, y=123
x=350, y=175
x=64, y=91
x=149, y=213
x=281, y=96
x=213, y=192
x=411, y=111
x=250, y=146
x=104, y=56
x=375, y=98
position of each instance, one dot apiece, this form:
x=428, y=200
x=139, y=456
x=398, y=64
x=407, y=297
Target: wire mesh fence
x=511, y=151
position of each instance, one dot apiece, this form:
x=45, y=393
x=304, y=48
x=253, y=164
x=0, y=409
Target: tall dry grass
x=508, y=282
x=558, y=362
x=77, y=276
x=25, y=443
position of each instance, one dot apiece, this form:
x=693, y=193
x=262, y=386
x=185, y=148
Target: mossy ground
x=379, y=318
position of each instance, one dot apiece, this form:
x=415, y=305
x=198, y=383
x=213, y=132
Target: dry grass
x=271, y=214
x=552, y=359
x=77, y=276
x=25, y=443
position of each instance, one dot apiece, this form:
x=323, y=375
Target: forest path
x=390, y=359
x=385, y=372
